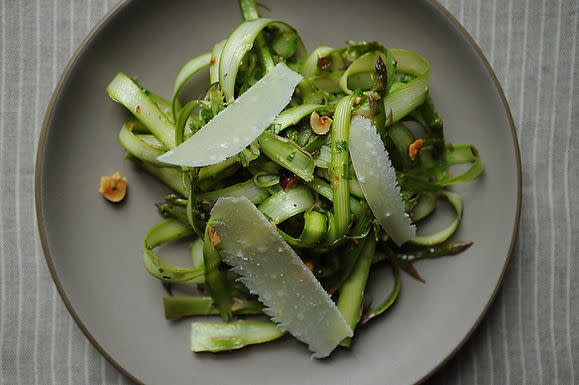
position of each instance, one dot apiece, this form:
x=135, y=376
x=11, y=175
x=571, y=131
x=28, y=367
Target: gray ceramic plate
x=93, y=248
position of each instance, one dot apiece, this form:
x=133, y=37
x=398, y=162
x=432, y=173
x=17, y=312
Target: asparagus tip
x=459, y=246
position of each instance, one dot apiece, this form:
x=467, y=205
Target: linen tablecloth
x=531, y=333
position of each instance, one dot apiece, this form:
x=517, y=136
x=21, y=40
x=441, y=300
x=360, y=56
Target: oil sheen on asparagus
x=292, y=178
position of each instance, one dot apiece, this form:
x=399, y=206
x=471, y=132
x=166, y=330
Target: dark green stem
x=249, y=12
x=215, y=279
x=340, y=165
x=179, y=307
x=352, y=291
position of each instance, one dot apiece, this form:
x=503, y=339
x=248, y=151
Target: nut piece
x=414, y=148
x=214, y=238
x=320, y=124
x=114, y=187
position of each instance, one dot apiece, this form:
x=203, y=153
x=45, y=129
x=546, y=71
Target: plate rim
x=40, y=220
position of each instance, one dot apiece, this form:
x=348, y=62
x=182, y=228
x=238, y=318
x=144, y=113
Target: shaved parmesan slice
x=377, y=178
x=239, y=124
x=270, y=268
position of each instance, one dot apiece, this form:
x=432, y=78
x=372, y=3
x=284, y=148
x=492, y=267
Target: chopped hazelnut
x=214, y=238
x=114, y=187
x=414, y=148
x=320, y=124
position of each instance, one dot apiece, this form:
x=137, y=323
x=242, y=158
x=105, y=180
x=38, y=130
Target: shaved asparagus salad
x=293, y=177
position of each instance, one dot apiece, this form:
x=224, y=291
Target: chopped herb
x=346, y=174
x=293, y=135
x=341, y=145
x=358, y=92
x=207, y=113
